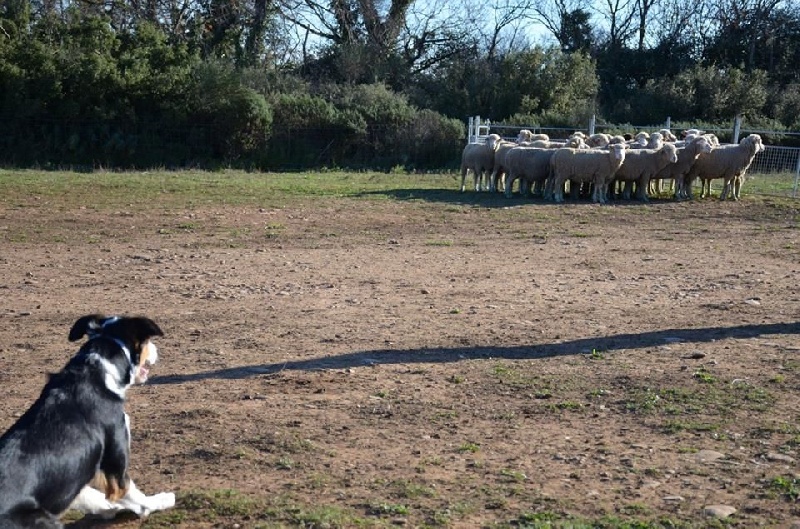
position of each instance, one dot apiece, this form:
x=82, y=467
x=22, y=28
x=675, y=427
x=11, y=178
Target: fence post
x=796, y=178
x=592, y=121
x=737, y=127
x=668, y=124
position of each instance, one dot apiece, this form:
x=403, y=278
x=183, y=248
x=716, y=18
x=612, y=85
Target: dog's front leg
x=114, y=463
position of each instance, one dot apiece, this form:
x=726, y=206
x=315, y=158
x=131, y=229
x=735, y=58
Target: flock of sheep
x=606, y=166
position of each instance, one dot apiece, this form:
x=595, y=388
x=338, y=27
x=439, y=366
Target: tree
x=619, y=16
x=568, y=22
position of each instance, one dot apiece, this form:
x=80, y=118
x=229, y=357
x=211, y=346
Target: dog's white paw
x=161, y=501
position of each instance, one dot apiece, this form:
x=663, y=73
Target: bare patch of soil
x=346, y=362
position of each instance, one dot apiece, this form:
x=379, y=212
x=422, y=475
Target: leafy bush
x=310, y=131
x=234, y=120
x=431, y=141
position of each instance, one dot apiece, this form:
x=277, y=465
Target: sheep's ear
x=82, y=327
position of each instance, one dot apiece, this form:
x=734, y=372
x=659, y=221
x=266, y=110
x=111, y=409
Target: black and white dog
x=77, y=433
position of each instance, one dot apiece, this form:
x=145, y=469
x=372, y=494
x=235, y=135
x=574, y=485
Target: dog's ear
x=85, y=324
x=144, y=328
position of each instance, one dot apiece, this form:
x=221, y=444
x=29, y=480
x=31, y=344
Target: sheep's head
x=702, y=145
x=598, y=140
x=617, y=152
x=524, y=135
x=670, y=152
x=755, y=141
x=493, y=141
x=576, y=142
x=656, y=141
x=668, y=135
x=692, y=132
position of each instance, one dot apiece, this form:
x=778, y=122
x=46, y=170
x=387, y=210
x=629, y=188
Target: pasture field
x=379, y=350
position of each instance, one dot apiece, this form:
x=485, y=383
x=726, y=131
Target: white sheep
x=668, y=135
x=576, y=142
x=643, y=164
x=686, y=157
x=640, y=140
x=729, y=162
x=498, y=178
x=655, y=141
x=545, y=144
x=598, y=140
x=526, y=136
x=530, y=164
x=478, y=158
x=593, y=166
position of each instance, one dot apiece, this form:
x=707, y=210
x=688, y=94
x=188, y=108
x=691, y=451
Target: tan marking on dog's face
x=147, y=357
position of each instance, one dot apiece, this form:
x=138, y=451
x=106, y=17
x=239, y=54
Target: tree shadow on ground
x=440, y=355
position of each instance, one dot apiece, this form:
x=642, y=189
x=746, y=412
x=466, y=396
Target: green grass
x=769, y=184
x=23, y=188
x=189, y=188
x=786, y=486
x=219, y=507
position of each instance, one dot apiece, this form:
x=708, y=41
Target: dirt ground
x=356, y=362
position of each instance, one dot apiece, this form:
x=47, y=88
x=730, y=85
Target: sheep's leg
x=705, y=187
x=641, y=191
x=575, y=190
x=676, y=189
x=476, y=179
x=497, y=175
x=547, y=193
x=737, y=186
x=537, y=188
x=627, y=189
x=688, y=184
x=598, y=194
x=509, y=184
x=558, y=189
x=727, y=189
x=654, y=187
x=528, y=183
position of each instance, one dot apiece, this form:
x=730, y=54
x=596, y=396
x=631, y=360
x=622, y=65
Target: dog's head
x=134, y=334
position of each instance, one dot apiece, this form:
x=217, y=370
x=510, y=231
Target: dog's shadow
x=92, y=522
